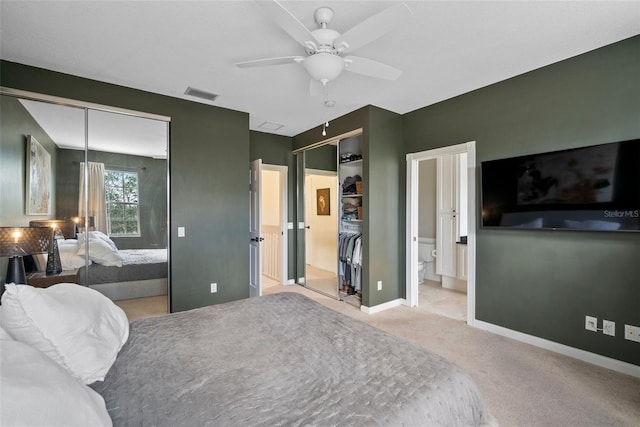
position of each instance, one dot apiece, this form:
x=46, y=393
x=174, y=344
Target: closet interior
x=350, y=172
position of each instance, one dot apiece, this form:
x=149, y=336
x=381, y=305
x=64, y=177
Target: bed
x=143, y=273
x=281, y=359
x=117, y=273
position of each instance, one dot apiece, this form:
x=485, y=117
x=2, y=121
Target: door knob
x=257, y=239
x=308, y=227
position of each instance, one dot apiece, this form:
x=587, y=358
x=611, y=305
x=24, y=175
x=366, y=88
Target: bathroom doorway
x=441, y=231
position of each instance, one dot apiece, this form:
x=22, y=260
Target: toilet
x=427, y=260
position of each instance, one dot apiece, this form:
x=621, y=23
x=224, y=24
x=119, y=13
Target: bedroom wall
x=543, y=283
x=209, y=152
x=152, y=188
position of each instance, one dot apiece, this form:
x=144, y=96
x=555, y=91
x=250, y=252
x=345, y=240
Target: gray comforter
x=281, y=360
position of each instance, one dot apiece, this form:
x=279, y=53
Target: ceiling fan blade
x=372, y=28
x=371, y=68
x=282, y=60
x=285, y=20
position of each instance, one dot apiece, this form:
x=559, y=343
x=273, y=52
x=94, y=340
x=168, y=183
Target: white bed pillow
x=37, y=392
x=4, y=335
x=100, y=252
x=100, y=236
x=78, y=327
x=68, y=244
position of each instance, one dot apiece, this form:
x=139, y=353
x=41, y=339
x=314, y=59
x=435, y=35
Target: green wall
x=543, y=283
x=208, y=156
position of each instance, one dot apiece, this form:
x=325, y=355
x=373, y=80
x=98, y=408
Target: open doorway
x=274, y=225
x=441, y=231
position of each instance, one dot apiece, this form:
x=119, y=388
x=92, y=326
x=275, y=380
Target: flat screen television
x=595, y=188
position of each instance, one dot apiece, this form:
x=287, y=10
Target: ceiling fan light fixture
x=324, y=66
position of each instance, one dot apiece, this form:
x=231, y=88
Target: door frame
x=284, y=230
x=411, y=237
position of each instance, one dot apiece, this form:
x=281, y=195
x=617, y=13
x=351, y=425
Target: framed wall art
x=39, y=179
x=323, y=201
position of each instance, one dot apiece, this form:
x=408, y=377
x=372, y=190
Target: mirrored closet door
x=105, y=177
x=321, y=219
x=330, y=215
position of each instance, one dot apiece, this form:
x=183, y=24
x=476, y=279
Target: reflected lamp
x=16, y=242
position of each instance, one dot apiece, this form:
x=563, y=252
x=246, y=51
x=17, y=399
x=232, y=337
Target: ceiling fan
x=326, y=48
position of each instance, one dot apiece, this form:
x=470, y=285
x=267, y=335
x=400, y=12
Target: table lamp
x=16, y=242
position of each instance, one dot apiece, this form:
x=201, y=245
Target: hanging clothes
x=350, y=256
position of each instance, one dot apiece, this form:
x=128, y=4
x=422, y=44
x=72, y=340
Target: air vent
x=270, y=126
x=198, y=93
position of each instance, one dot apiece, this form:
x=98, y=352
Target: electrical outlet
x=609, y=328
x=591, y=323
x=214, y=288
x=379, y=285
x=632, y=333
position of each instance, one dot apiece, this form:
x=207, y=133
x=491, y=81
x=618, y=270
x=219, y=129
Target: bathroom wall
x=427, y=198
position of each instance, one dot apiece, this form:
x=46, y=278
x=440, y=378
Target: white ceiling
x=445, y=49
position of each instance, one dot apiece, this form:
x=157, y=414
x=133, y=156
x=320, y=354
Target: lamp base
x=54, y=265
x=15, y=271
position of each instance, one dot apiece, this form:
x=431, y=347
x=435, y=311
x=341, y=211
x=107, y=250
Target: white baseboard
x=381, y=307
x=290, y=282
x=300, y=280
x=576, y=353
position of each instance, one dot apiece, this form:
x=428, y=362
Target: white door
x=255, y=220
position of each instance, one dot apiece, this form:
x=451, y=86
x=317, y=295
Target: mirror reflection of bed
x=122, y=251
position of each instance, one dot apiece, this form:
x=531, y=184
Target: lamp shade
x=65, y=226
x=19, y=241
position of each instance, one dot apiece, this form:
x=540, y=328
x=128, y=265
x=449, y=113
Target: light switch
x=181, y=232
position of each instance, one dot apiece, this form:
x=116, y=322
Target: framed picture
x=39, y=179
x=323, y=201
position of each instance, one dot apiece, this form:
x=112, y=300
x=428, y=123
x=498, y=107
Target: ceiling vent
x=199, y=93
x=270, y=126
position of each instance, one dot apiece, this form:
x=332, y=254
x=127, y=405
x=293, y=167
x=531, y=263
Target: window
x=123, y=210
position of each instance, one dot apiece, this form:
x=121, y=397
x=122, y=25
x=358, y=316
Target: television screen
x=593, y=188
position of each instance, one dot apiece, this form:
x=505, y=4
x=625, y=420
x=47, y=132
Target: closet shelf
x=351, y=195
x=352, y=162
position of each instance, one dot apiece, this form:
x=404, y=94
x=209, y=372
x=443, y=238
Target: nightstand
x=42, y=280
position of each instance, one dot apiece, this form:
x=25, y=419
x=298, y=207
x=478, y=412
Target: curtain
x=97, y=205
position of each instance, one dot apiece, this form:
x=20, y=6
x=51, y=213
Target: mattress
x=281, y=359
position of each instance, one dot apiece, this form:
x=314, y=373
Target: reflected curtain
x=97, y=206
